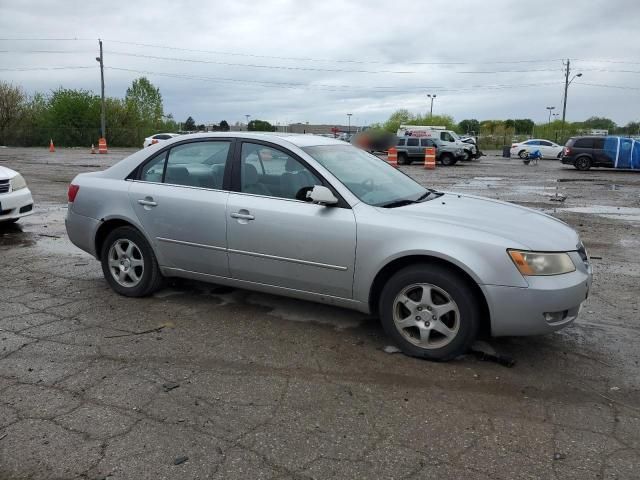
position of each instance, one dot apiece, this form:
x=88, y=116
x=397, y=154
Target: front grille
x=4, y=186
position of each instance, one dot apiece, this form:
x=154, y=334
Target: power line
x=252, y=65
x=620, y=87
x=325, y=87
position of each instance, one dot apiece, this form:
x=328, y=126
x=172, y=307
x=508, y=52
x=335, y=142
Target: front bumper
x=16, y=204
x=521, y=311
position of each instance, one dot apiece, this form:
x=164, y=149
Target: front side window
x=271, y=172
x=598, y=143
x=426, y=142
x=545, y=143
x=370, y=179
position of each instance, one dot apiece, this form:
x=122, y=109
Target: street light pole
x=550, y=108
x=102, y=109
x=432, y=97
x=247, y=117
x=349, y=119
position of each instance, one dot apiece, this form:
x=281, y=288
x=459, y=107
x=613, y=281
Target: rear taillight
x=567, y=151
x=73, y=191
x=514, y=145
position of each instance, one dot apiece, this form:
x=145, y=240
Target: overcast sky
x=316, y=61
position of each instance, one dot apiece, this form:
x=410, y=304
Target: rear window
x=583, y=143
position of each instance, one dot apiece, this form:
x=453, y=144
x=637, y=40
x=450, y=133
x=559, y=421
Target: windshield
x=455, y=136
x=369, y=178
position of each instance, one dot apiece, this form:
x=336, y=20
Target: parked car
x=158, y=137
x=411, y=149
x=547, y=148
x=611, y=152
x=317, y=219
x=15, y=197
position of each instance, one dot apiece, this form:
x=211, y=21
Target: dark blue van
x=611, y=152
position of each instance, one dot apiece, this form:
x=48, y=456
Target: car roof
x=297, y=139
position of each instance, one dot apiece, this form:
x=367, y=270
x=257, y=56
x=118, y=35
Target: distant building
x=595, y=132
x=318, y=129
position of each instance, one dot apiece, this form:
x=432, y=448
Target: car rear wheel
x=403, y=159
x=129, y=264
x=430, y=312
x=583, y=163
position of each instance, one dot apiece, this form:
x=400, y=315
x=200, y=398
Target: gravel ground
x=202, y=382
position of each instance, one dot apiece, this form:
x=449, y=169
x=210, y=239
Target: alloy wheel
x=126, y=263
x=426, y=315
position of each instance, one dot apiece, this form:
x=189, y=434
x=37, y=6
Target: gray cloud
x=393, y=36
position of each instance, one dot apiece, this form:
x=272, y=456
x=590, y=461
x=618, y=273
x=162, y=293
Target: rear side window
x=196, y=164
x=532, y=142
x=426, y=142
x=400, y=142
x=412, y=142
x=583, y=143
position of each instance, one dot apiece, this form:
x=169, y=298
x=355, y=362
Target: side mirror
x=322, y=195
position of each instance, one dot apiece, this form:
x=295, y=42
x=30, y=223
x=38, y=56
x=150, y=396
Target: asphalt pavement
x=200, y=381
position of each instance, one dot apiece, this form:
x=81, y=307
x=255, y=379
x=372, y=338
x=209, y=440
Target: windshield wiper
x=429, y=192
x=398, y=203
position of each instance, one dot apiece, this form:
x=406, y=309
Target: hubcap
x=424, y=331
x=126, y=263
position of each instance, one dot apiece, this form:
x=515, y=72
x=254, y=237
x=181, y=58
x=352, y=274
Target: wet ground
x=205, y=382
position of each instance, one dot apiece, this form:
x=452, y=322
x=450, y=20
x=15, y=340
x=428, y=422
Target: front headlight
x=18, y=182
x=536, y=263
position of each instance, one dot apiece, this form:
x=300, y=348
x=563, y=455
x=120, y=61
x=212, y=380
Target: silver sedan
x=317, y=219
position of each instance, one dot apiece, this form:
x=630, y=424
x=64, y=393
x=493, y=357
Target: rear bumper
x=16, y=204
x=82, y=231
x=567, y=160
x=521, y=311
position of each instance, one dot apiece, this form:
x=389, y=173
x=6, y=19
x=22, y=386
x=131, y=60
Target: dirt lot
x=232, y=384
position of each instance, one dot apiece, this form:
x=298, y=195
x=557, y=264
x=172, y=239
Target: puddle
x=615, y=187
x=628, y=214
x=12, y=235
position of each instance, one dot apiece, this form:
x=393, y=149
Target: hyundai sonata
x=317, y=219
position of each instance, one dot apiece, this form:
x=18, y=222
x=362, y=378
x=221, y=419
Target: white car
x=15, y=198
x=158, y=137
x=547, y=148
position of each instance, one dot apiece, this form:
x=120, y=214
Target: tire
x=403, y=159
x=582, y=163
x=447, y=160
x=427, y=288
x=522, y=153
x=141, y=274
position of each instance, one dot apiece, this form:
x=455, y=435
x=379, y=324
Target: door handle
x=147, y=203
x=243, y=216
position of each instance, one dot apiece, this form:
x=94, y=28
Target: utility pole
x=349, y=117
x=247, y=115
x=100, y=59
x=566, y=88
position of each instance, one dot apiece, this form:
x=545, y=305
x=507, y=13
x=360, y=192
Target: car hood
x=520, y=225
x=6, y=173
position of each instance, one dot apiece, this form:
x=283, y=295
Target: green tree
x=397, y=118
x=468, y=126
x=224, y=126
x=12, y=105
x=260, y=126
x=599, y=123
x=522, y=126
x=72, y=117
x=144, y=102
x=631, y=128
x=189, y=125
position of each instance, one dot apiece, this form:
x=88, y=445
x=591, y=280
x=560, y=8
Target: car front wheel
x=430, y=312
x=522, y=153
x=129, y=264
x=447, y=160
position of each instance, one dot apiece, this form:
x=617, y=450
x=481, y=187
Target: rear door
x=413, y=146
x=179, y=197
x=275, y=237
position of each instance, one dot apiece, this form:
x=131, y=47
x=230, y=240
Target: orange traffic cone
x=93, y=149
x=51, y=147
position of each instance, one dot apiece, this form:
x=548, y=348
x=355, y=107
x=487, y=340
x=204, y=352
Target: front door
x=277, y=238
x=179, y=198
